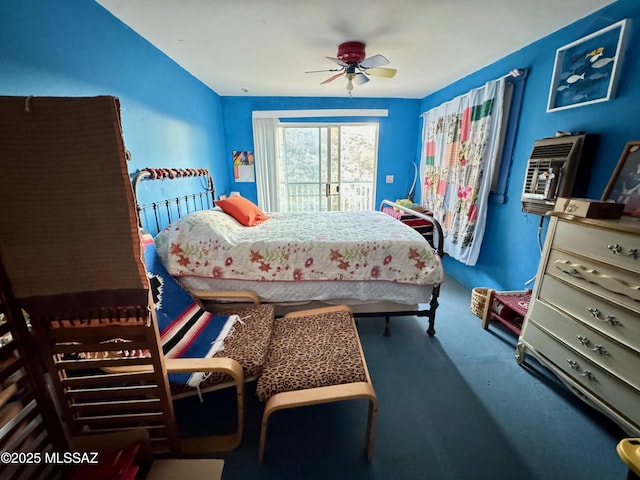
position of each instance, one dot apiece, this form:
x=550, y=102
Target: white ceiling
x=265, y=46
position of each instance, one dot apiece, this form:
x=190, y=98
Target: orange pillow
x=243, y=210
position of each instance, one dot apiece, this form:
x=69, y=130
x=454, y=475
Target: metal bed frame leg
x=430, y=314
x=433, y=306
x=387, y=330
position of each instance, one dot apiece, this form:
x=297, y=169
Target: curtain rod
x=516, y=73
x=329, y=112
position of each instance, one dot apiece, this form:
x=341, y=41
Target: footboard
x=438, y=239
x=438, y=244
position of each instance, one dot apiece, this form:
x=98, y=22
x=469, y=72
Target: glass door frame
x=329, y=188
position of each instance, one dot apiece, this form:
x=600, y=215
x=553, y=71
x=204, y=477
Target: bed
x=368, y=260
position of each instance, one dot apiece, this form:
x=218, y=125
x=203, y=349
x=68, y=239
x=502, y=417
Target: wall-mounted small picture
x=586, y=71
x=624, y=185
x=243, y=166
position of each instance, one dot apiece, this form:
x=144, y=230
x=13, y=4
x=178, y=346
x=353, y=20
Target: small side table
x=509, y=308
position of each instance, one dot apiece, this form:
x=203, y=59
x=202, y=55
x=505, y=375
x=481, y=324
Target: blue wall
x=397, y=137
x=510, y=255
x=77, y=48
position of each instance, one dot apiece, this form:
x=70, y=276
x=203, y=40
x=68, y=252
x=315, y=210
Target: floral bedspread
x=359, y=246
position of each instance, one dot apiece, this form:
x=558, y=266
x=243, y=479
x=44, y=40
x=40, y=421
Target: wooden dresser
x=584, y=318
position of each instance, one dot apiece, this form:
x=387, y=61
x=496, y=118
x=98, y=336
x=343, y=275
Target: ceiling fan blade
x=381, y=72
x=332, y=78
x=374, y=61
x=340, y=62
x=326, y=70
x=360, y=78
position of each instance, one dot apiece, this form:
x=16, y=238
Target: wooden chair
x=235, y=373
x=108, y=391
x=80, y=276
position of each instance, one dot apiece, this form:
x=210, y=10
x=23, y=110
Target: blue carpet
x=453, y=406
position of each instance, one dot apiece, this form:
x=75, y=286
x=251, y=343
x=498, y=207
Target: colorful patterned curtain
x=460, y=142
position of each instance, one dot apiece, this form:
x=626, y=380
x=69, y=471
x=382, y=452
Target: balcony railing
x=310, y=197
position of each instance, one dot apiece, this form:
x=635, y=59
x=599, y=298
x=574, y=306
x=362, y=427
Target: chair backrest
x=71, y=248
x=79, y=355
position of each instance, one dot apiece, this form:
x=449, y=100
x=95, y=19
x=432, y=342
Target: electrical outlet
x=390, y=178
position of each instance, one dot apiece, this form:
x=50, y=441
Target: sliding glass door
x=325, y=167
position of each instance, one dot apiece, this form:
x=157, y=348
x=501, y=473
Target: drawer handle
x=574, y=272
x=610, y=319
x=634, y=252
x=586, y=374
x=573, y=364
x=586, y=343
x=614, y=248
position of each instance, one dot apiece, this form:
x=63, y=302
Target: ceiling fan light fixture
x=355, y=66
x=351, y=52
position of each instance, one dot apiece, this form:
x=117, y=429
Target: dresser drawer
x=619, y=286
x=618, y=323
x=617, y=248
x=613, y=357
x=619, y=397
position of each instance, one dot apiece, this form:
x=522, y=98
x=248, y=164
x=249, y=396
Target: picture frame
x=243, y=169
x=586, y=71
x=624, y=184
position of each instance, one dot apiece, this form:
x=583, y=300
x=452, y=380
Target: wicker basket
x=479, y=296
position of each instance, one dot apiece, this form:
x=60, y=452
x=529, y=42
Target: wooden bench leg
x=357, y=389
x=263, y=434
x=371, y=427
x=315, y=396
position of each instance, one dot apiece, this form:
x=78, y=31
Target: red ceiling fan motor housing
x=351, y=52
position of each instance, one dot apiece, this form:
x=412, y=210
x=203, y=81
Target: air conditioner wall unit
x=557, y=167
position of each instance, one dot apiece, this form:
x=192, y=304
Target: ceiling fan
x=355, y=66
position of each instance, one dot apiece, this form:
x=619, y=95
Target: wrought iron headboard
x=164, y=212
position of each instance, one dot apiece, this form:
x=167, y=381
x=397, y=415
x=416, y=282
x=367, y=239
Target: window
x=327, y=166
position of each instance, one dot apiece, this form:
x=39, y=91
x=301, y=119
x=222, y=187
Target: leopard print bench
x=315, y=357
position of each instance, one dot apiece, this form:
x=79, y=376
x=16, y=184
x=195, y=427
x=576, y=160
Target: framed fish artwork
x=586, y=70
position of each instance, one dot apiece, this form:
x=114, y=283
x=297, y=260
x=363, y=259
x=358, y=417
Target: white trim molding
x=380, y=112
